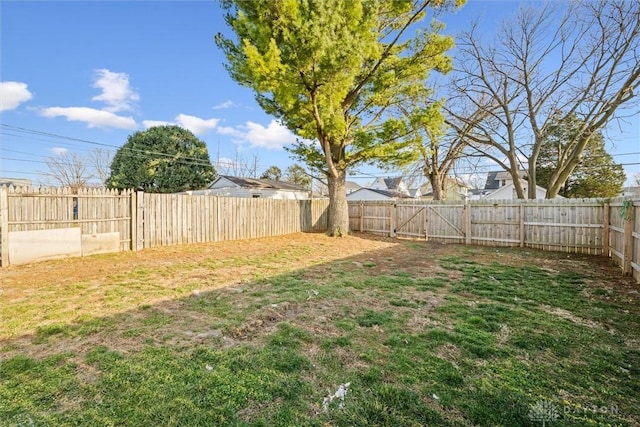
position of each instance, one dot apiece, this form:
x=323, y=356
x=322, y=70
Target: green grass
x=473, y=342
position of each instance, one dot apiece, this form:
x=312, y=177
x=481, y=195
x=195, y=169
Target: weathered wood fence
x=173, y=219
x=141, y=220
x=587, y=226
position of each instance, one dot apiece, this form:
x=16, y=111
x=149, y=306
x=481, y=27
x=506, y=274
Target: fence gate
x=442, y=222
x=411, y=221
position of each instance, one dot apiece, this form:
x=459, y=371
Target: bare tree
x=69, y=170
x=239, y=166
x=548, y=63
x=100, y=160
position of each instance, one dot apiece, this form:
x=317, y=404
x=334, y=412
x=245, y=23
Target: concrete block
x=100, y=243
x=38, y=245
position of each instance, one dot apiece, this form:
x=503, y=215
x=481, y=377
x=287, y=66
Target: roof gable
x=392, y=183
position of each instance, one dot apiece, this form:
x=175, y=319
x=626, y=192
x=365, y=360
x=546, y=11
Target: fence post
x=467, y=222
x=426, y=222
x=361, y=217
x=628, y=239
x=606, y=231
x=140, y=223
x=216, y=220
x=521, y=219
x=392, y=220
x=133, y=221
x=4, y=226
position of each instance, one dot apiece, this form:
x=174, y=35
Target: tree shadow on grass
x=403, y=321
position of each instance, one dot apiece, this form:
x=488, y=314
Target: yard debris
x=312, y=293
x=339, y=394
x=435, y=396
x=209, y=368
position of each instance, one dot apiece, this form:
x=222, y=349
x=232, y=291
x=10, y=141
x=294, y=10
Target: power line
x=36, y=136
x=128, y=152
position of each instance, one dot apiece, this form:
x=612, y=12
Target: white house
x=373, y=194
x=390, y=184
x=500, y=186
x=508, y=192
x=395, y=185
x=231, y=186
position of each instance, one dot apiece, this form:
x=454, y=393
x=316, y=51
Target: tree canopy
x=274, y=173
x=162, y=159
x=597, y=175
x=296, y=174
x=336, y=73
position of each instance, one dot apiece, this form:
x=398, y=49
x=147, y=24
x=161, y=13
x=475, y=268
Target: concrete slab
x=100, y=243
x=38, y=245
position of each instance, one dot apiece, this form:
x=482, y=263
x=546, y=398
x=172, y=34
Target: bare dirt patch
x=131, y=299
x=86, y=285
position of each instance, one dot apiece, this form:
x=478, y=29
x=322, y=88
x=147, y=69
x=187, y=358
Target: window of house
x=255, y=196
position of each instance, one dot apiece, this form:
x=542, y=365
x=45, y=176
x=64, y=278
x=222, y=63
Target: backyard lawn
x=265, y=332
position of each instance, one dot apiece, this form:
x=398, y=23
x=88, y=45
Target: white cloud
x=90, y=116
x=274, y=136
x=226, y=130
x=196, y=124
x=151, y=123
x=116, y=91
x=58, y=150
x=13, y=94
x=226, y=104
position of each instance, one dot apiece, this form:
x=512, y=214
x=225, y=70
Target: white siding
x=264, y=193
x=508, y=192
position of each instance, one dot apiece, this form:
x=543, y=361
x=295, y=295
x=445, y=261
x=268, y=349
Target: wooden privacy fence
x=587, y=226
x=173, y=219
x=90, y=220
x=140, y=220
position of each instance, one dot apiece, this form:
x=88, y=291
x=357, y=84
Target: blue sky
x=85, y=75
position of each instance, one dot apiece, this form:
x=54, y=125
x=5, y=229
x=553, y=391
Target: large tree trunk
x=338, y=208
x=532, y=179
x=437, y=186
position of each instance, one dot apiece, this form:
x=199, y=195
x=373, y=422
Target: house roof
x=492, y=182
x=390, y=193
x=351, y=184
x=262, y=183
x=392, y=183
x=494, y=178
x=386, y=194
x=16, y=182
